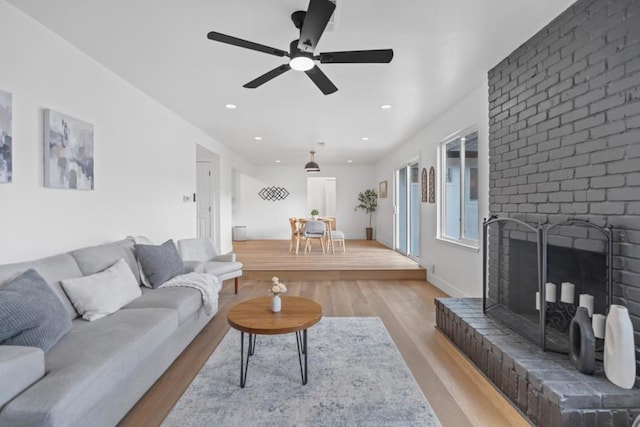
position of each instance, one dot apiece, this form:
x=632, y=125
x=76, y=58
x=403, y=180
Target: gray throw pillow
x=159, y=263
x=31, y=314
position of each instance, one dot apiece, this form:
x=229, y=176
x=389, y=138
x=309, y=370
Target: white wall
x=269, y=220
x=458, y=270
x=144, y=154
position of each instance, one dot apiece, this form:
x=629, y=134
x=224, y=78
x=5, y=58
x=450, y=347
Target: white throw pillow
x=100, y=294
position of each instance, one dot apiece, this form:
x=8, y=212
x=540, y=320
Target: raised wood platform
x=363, y=260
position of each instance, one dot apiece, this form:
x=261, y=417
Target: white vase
x=276, y=304
x=619, y=348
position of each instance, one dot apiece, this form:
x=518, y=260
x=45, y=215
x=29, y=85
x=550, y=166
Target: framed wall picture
x=383, y=190
x=6, y=111
x=68, y=152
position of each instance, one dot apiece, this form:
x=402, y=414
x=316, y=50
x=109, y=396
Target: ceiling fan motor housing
x=294, y=52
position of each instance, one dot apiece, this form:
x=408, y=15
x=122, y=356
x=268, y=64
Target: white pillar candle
x=550, y=292
x=598, y=321
x=567, y=292
x=538, y=301
x=586, y=301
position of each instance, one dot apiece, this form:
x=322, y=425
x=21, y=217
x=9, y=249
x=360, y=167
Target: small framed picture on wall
x=383, y=190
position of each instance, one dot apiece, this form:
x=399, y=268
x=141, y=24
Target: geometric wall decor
x=6, y=167
x=68, y=152
x=432, y=185
x=273, y=193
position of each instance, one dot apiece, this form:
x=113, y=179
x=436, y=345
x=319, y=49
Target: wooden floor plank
x=459, y=394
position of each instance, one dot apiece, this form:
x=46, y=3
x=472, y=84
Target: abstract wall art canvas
x=6, y=166
x=68, y=152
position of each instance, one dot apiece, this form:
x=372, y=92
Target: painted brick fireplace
x=564, y=141
x=564, y=147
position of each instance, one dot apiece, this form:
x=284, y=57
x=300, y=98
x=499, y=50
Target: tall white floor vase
x=619, y=349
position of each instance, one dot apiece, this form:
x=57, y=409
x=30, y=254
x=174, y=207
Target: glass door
x=407, y=210
x=402, y=226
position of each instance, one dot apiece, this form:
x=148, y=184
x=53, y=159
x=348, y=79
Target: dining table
x=328, y=222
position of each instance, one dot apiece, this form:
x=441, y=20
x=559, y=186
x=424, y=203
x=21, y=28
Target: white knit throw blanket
x=207, y=284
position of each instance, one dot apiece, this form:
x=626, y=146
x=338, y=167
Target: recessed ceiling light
x=349, y=161
x=231, y=106
x=257, y=138
x=385, y=106
x=365, y=138
x=277, y=161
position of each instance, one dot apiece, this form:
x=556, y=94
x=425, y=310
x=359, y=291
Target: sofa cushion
x=101, y=294
x=94, y=259
x=159, y=262
x=93, y=361
x=19, y=368
x=31, y=314
x=186, y=301
x=52, y=269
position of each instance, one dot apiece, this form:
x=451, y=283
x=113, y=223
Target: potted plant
x=314, y=214
x=368, y=202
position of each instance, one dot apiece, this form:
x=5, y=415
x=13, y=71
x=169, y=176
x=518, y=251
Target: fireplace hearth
x=544, y=385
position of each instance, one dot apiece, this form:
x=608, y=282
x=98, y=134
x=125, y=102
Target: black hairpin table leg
x=301, y=343
x=244, y=365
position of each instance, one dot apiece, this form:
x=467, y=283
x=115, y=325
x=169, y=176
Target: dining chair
x=337, y=235
x=314, y=230
x=296, y=234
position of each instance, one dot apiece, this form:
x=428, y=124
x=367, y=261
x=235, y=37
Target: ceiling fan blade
x=357, y=56
x=321, y=80
x=246, y=44
x=315, y=22
x=267, y=76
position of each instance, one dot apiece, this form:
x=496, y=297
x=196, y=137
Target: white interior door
x=203, y=198
x=321, y=195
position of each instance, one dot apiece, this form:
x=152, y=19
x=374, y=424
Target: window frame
x=444, y=176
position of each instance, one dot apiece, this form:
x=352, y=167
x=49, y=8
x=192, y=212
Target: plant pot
x=314, y=217
x=369, y=233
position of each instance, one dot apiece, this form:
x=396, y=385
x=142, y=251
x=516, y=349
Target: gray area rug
x=357, y=377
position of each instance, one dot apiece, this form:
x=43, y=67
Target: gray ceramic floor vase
x=619, y=348
x=582, y=348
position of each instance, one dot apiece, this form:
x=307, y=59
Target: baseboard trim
x=445, y=286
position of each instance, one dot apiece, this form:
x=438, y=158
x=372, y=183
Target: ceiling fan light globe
x=301, y=63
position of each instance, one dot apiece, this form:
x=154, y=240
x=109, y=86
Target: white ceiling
x=443, y=49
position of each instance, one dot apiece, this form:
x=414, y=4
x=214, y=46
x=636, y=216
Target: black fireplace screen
x=558, y=267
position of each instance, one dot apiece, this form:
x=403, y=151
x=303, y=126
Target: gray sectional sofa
x=96, y=372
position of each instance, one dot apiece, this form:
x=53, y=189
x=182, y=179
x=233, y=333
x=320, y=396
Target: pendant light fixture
x=312, y=166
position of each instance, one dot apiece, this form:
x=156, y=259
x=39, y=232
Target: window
x=459, y=192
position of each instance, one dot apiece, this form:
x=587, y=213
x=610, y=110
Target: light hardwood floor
x=458, y=393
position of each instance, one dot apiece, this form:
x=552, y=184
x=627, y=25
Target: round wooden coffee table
x=255, y=317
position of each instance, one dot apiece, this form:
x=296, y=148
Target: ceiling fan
x=311, y=24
